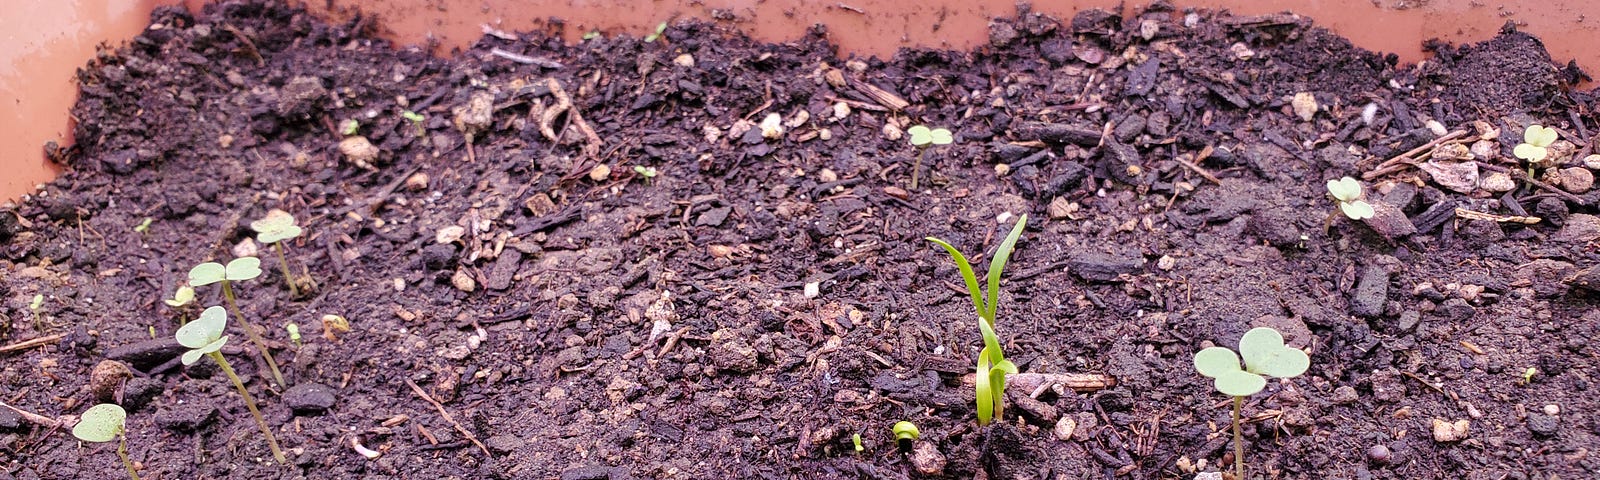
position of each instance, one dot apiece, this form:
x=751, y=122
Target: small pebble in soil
x=1380, y=454
x=1552, y=409
x=1543, y=425
x=927, y=458
x=1345, y=395
x=1446, y=431
x=186, y=417
x=309, y=398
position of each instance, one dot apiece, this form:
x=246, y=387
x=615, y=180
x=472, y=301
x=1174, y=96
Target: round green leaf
x=1357, y=210
x=1345, y=189
x=183, y=296
x=1240, y=383
x=1286, y=363
x=206, y=274
x=277, y=226
x=204, y=330
x=940, y=136
x=1529, y=152
x=1215, y=362
x=1258, y=345
x=100, y=423
x=920, y=135
x=244, y=268
x=1539, y=136
x=192, y=356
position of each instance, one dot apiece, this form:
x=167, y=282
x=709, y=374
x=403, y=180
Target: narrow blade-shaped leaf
x=998, y=263
x=985, y=395
x=966, y=273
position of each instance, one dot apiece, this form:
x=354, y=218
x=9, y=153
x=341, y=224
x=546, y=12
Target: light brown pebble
x=1446, y=431
x=1577, y=179
x=600, y=172
x=927, y=458
x=463, y=281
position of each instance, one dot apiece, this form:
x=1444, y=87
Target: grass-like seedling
x=240, y=269
x=103, y=423
x=656, y=35
x=204, y=337
x=923, y=137
x=144, y=226
x=992, y=364
x=1265, y=355
x=1346, y=193
x=274, y=229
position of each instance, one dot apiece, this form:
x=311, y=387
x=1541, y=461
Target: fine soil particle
x=523, y=302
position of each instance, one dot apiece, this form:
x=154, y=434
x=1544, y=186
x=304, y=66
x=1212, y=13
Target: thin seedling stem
x=233, y=305
x=294, y=292
x=917, y=166
x=250, y=402
x=1238, y=437
x=122, y=451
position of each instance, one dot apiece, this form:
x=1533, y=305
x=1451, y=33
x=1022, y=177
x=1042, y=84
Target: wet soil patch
x=603, y=261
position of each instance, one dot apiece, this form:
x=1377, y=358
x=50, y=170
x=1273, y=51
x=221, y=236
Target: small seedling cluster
x=279, y=226
x=1264, y=355
x=992, y=365
x=923, y=137
x=203, y=337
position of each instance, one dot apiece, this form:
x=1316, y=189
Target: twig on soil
x=30, y=343
x=1194, y=165
x=447, y=416
x=1404, y=160
x=1435, y=388
x=35, y=418
x=524, y=59
x=563, y=105
x=250, y=47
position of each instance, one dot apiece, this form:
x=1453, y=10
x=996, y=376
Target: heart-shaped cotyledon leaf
x=240, y=269
x=1345, y=189
x=1222, y=365
x=1357, y=210
x=204, y=334
x=277, y=226
x=1264, y=353
x=100, y=423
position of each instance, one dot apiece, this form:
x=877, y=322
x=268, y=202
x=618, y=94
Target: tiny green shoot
x=1346, y=193
x=103, y=423
x=239, y=269
x=1527, y=376
x=906, y=432
x=416, y=121
x=35, y=306
x=183, y=296
x=992, y=364
x=591, y=35
x=923, y=137
x=294, y=333
x=856, y=439
x=144, y=226
x=1265, y=355
x=273, y=229
x=649, y=173
x=350, y=127
x=203, y=337
x=653, y=36
x=1536, y=141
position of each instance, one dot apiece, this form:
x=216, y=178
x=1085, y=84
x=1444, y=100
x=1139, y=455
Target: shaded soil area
x=603, y=261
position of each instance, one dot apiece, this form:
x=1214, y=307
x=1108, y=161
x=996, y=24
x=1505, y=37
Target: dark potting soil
x=754, y=302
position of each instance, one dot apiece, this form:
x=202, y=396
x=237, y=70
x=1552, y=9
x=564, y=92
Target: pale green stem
x=294, y=292
x=250, y=402
x=917, y=167
x=122, y=451
x=1238, y=437
x=233, y=304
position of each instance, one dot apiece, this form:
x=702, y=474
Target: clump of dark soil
x=526, y=299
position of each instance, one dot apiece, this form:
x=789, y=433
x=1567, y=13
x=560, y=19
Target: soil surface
x=599, y=261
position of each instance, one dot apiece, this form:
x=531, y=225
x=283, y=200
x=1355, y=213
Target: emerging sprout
x=273, y=229
x=415, y=119
x=1536, y=141
x=905, y=431
x=653, y=36
x=240, y=269
x=144, y=227
x=992, y=364
x=184, y=296
x=294, y=333
x=103, y=423
x=1265, y=355
x=922, y=137
x=856, y=439
x=1347, y=193
x=35, y=306
x=350, y=127
x=649, y=173
x=591, y=35
x=1527, y=376
x=204, y=338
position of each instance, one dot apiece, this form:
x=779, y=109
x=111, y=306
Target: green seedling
x=1346, y=193
x=35, y=306
x=144, y=227
x=922, y=137
x=1535, y=146
x=103, y=423
x=593, y=34
x=240, y=269
x=183, y=296
x=294, y=333
x=416, y=121
x=204, y=337
x=905, y=432
x=350, y=127
x=992, y=364
x=656, y=35
x=1265, y=355
x=649, y=173
x=1527, y=376
x=856, y=439
x=273, y=229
